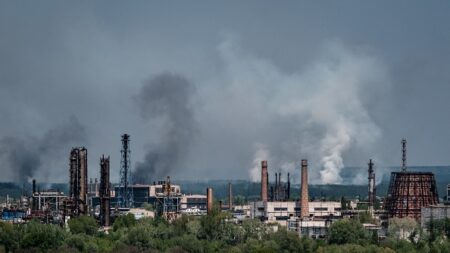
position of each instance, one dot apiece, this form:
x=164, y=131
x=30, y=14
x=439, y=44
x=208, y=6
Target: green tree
x=41, y=236
x=124, y=221
x=346, y=231
x=83, y=225
x=365, y=217
x=8, y=236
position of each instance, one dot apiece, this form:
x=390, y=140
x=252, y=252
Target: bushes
x=41, y=236
x=203, y=235
x=347, y=231
x=83, y=225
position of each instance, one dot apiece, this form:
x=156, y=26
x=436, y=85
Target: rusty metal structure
x=410, y=191
x=372, y=187
x=209, y=200
x=104, y=192
x=280, y=191
x=78, y=187
x=168, y=203
x=125, y=194
x=304, y=197
x=264, y=181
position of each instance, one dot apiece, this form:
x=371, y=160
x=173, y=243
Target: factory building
x=433, y=212
x=241, y=212
x=447, y=198
x=281, y=212
x=310, y=228
x=48, y=200
x=193, y=204
x=142, y=194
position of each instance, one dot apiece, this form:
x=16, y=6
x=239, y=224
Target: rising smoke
x=25, y=158
x=318, y=112
x=166, y=98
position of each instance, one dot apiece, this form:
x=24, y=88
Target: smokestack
x=371, y=187
x=276, y=187
x=209, y=200
x=264, y=182
x=304, y=199
x=104, y=191
x=279, y=187
x=230, y=196
x=78, y=180
x=34, y=185
x=288, y=190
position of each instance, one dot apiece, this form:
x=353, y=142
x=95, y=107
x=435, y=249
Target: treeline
x=213, y=233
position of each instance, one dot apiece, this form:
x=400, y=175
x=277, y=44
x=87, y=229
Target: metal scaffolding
x=409, y=192
x=125, y=194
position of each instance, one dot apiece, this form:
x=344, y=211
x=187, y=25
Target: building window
x=280, y=209
x=320, y=209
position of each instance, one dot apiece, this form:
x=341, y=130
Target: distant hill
x=251, y=191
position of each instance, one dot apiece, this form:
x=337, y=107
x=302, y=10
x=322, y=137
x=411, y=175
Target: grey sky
x=87, y=60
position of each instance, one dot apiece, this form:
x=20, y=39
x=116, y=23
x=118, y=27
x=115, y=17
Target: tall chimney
x=104, y=191
x=371, y=187
x=264, y=182
x=209, y=200
x=34, y=185
x=276, y=187
x=230, y=196
x=304, y=199
x=288, y=190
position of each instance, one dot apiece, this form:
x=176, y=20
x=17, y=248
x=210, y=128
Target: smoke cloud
x=318, y=112
x=23, y=158
x=166, y=98
x=262, y=153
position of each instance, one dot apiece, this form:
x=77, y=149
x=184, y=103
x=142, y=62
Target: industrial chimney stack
x=230, y=196
x=304, y=199
x=104, y=191
x=264, y=182
x=372, y=189
x=209, y=200
x=78, y=188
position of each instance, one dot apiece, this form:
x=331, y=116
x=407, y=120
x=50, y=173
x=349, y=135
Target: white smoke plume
x=261, y=153
x=318, y=112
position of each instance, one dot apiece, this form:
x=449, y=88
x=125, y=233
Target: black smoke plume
x=166, y=97
x=27, y=157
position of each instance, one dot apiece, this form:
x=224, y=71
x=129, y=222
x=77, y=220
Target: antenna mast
x=125, y=192
x=403, y=155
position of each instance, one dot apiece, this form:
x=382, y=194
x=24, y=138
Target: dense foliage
x=214, y=233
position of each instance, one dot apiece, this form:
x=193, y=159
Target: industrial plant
x=411, y=194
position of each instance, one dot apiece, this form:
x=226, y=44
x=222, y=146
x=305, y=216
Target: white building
x=241, y=212
x=193, y=204
x=311, y=228
x=281, y=212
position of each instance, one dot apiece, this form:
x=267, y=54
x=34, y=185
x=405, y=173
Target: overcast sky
x=336, y=82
